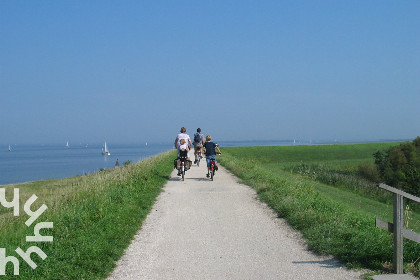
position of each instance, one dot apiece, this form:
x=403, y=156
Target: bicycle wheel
x=183, y=171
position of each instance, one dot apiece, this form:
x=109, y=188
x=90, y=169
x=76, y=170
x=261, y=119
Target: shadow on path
x=330, y=263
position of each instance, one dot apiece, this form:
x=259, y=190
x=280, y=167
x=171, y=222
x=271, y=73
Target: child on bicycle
x=210, y=150
x=183, y=149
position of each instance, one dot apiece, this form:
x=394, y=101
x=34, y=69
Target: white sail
x=105, y=150
x=10, y=149
x=67, y=144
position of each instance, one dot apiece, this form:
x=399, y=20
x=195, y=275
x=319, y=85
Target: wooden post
x=397, y=227
x=398, y=234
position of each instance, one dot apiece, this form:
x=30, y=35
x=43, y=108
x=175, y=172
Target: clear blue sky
x=130, y=71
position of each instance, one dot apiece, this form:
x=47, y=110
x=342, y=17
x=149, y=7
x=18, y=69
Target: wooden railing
x=397, y=227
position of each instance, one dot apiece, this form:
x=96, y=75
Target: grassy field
x=316, y=188
x=319, y=191
x=94, y=216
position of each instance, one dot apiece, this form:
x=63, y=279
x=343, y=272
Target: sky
x=135, y=71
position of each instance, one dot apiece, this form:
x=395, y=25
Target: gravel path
x=199, y=229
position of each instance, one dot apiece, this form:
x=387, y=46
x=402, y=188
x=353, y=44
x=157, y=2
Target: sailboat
x=105, y=151
x=10, y=149
x=67, y=144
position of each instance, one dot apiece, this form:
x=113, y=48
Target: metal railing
x=397, y=227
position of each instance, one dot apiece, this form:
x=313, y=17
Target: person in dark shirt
x=210, y=150
x=198, y=144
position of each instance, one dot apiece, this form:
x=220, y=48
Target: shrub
x=400, y=166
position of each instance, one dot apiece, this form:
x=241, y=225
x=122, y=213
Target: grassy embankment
x=95, y=217
x=319, y=191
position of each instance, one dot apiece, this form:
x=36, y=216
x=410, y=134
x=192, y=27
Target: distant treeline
x=399, y=166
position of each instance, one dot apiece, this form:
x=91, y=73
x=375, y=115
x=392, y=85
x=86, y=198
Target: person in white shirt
x=183, y=148
x=182, y=135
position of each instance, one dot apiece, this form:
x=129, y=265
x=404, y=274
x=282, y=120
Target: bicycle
x=197, y=161
x=183, y=164
x=213, y=167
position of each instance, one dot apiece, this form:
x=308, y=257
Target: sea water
x=40, y=162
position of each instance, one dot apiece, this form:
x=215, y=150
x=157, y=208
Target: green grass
x=95, y=217
x=322, y=202
x=320, y=153
x=313, y=187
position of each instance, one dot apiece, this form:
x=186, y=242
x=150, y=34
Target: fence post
x=398, y=234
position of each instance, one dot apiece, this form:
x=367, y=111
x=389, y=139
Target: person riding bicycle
x=210, y=150
x=198, y=143
x=183, y=150
x=182, y=135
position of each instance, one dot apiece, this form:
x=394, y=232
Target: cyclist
x=183, y=149
x=183, y=152
x=210, y=150
x=198, y=143
x=182, y=135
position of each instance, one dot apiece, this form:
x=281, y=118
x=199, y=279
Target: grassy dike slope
x=95, y=217
x=329, y=225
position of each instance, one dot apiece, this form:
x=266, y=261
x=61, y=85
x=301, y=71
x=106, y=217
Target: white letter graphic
x=27, y=256
x=33, y=215
x=14, y=203
x=4, y=260
x=38, y=237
